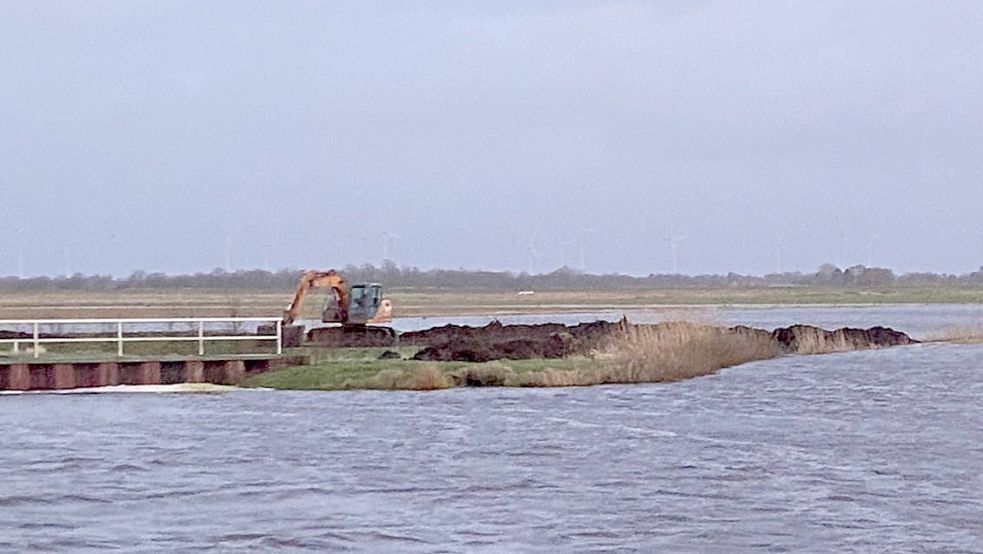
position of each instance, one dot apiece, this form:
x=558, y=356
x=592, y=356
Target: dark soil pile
x=353, y=336
x=513, y=342
x=518, y=342
x=804, y=338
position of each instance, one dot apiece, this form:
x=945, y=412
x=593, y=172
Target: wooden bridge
x=82, y=353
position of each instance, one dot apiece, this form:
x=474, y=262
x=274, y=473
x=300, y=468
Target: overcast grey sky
x=183, y=136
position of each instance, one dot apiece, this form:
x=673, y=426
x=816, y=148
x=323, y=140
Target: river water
x=919, y=320
x=877, y=451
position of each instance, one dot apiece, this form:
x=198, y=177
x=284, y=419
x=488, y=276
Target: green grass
x=411, y=302
x=361, y=368
x=328, y=375
x=316, y=354
x=135, y=350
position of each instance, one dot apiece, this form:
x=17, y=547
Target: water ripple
x=858, y=452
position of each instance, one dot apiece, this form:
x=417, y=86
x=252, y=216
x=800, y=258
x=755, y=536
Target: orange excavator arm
x=313, y=280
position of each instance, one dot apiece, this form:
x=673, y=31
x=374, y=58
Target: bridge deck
x=54, y=374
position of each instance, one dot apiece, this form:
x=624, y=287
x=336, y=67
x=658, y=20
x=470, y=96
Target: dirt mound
x=806, y=339
x=493, y=332
x=352, y=336
x=518, y=342
x=478, y=351
x=513, y=342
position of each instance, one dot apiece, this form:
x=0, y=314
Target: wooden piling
x=64, y=376
x=235, y=372
x=150, y=373
x=107, y=374
x=194, y=371
x=18, y=377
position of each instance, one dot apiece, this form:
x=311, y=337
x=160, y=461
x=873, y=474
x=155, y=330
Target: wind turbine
x=780, y=249
x=674, y=243
x=267, y=247
x=228, y=251
x=843, y=238
x=363, y=241
x=19, y=234
x=14, y=234
x=66, y=250
x=96, y=250
x=534, y=254
x=870, y=249
x=389, y=245
x=583, y=247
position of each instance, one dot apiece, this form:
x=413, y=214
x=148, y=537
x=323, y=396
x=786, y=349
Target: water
x=919, y=320
x=878, y=451
x=912, y=318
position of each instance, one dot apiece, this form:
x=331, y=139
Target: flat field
x=436, y=302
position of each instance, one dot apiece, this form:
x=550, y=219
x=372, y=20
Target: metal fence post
x=66, y=332
x=37, y=340
x=279, y=337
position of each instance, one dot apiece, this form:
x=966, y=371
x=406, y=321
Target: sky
x=507, y=135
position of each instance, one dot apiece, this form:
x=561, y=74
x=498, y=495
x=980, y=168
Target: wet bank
x=564, y=355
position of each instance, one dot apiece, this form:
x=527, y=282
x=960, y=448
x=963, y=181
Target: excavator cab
x=366, y=305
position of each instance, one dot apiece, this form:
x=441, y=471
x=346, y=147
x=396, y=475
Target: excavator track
x=351, y=336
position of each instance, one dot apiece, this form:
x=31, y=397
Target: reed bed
x=661, y=353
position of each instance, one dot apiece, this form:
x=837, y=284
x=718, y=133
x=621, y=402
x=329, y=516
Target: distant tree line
x=392, y=276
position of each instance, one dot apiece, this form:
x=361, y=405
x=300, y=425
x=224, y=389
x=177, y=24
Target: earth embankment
x=518, y=342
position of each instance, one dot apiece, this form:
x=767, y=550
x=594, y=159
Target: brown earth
x=515, y=342
x=806, y=339
x=351, y=336
x=553, y=340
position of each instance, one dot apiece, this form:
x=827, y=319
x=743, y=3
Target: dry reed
x=425, y=377
x=677, y=350
x=663, y=352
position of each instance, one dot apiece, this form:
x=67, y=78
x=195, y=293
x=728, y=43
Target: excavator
x=359, y=308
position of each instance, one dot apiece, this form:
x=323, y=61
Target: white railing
x=37, y=338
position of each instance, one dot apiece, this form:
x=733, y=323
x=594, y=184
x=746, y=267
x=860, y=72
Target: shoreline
x=113, y=312
x=551, y=355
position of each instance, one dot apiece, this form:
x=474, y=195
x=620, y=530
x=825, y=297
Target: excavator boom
x=318, y=279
